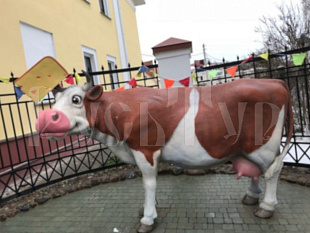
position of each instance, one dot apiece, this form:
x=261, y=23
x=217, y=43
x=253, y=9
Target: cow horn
x=89, y=80
x=57, y=89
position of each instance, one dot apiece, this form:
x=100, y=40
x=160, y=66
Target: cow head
x=68, y=115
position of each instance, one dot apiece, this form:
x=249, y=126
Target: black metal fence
x=279, y=66
x=28, y=162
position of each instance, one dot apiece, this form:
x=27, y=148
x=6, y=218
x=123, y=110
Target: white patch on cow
x=149, y=175
x=268, y=159
x=120, y=149
x=266, y=154
x=74, y=111
x=183, y=148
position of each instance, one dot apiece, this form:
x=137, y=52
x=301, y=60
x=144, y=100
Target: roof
x=172, y=44
x=139, y=2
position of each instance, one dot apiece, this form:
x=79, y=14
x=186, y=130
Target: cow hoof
x=248, y=200
x=146, y=228
x=261, y=213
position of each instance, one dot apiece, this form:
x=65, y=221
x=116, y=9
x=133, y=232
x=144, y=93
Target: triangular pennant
x=119, y=89
x=41, y=78
x=185, y=82
x=264, y=56
x=5, y=80
x=132, y=82
x=69, y=80
x=298, y=59
x=77, y=77
x=143, y=69
x=19, y=92
x=232, y=71
x=246, y=60
x=153, y=72
x=212, y=73
x=168, y=82
x=194, y=76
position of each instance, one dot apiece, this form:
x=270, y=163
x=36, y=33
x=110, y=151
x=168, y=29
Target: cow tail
x=277, y=164
x=289, y=124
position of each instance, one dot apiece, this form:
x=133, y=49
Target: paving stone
x=209, y=203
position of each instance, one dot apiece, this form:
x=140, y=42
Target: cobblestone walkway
x=193, y=204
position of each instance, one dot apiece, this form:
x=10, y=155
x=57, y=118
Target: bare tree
x=290, y=28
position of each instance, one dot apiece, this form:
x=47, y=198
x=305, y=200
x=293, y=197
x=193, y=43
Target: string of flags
x=298, y=59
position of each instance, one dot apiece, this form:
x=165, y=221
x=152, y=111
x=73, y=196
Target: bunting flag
x=232, y=71
x=77, y=78
x=119, y=89
x=264, y=56
x=194, y=76
x=247, y=60
x=132, y=82
x=69, y=79
x=185, y=82
x=19, y=92
x=153, y=72
x=142, y=70
x=168, y=82
x=298, y=59
x=5, y=80
x=212, y=73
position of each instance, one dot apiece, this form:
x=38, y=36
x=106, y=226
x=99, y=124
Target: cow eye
x=76, y=99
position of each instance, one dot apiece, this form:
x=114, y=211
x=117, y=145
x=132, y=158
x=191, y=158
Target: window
x=104, y=7
x=90, y=62
x=113, y=76
x=37, y=44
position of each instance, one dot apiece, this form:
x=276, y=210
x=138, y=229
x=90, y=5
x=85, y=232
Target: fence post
x=173, y=56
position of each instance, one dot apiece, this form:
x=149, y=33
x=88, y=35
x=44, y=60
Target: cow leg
x=266, y=207
x=149, y=175
x=252, y=195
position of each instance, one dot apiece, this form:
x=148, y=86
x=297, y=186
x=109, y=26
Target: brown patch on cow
x=260, y=96
x=146, y=118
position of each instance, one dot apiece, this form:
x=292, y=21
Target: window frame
x=92, y=55
x=113, y=76
x=104, y=8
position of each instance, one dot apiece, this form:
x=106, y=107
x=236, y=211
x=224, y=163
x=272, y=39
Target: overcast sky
x=226, y=27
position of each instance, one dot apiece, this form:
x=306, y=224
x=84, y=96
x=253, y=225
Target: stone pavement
x=193, y=204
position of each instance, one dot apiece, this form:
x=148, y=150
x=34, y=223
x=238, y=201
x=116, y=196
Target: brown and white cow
x=196, y=127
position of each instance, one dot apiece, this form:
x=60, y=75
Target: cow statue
x=193, y=127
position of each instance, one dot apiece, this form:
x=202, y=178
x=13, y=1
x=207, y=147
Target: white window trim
x=113, y=60
x=106, y=8
x=121, y=37
x=89, y=52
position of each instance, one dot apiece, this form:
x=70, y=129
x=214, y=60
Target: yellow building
x=80, y=34
x=101, y=31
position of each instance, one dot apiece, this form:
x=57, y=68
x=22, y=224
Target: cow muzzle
x=52, y=123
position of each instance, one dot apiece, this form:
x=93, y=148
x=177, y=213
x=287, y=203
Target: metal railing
x=279, y=66
x=29, y=162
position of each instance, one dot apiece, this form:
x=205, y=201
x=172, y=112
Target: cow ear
x=95, y=93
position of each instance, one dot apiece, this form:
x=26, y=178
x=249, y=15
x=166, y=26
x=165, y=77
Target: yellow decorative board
x=41, y=78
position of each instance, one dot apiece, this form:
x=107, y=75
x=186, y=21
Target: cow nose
x=52, y=121
x=54, y=116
